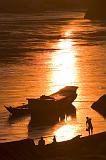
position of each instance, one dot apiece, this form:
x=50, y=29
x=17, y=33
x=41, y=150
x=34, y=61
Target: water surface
x=42, y=53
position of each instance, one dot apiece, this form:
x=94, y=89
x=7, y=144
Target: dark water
x=42, y=53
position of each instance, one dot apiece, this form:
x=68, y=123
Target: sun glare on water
x=66, y=132
x=64, y=62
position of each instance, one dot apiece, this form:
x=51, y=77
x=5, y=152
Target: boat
x=18, y=111
x=49, y=109
x=57, y=103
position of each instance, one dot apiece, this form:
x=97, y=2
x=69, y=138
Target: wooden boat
x=49, y=109
x=56, y=102
x=20, y=110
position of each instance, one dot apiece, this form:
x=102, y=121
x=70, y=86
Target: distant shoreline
x=43, y=10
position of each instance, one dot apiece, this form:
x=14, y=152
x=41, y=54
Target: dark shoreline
x=89, y=147
x=38, y=11
x=32, y=6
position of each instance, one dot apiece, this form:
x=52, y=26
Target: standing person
x=54, y=139
x=89, y=126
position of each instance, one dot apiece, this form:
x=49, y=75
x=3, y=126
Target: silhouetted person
x=89, y=125
x=54, y=139
x=41, y=142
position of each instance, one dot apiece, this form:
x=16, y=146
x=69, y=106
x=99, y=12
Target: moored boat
x=20, y=110
x=56, y=103
x=49, y=109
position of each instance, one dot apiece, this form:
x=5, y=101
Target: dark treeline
x=96, y=9
x=37, y=5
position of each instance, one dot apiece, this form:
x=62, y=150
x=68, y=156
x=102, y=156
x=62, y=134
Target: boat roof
x=64, y=92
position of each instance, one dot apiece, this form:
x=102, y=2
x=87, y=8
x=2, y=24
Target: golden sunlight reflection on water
x=65, y=132
x=64, y=74
x=64, y=62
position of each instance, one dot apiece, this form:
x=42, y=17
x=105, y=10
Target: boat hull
x=18, y=110
x=49, y=112
x=48, y=108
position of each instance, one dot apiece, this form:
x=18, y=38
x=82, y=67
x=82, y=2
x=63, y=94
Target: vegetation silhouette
x=96, y=10
x=32, y=6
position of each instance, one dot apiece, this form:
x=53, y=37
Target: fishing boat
x=56, y=103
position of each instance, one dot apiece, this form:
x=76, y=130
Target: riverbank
x=89, y=147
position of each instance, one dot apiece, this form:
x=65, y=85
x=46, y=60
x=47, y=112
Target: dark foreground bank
x=90, y=147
